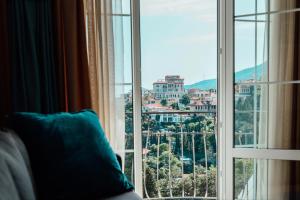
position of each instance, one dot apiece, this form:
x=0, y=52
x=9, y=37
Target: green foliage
x=157, y=180
x=163, y=102
x=150, y=182
x=244, y=116
x=244, y=169
x=174, y=182
x=129, y=164
x=175, y=106
x=185, y=100
x=129, y=107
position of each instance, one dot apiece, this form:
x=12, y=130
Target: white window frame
x=226, y=151
x=137, y=96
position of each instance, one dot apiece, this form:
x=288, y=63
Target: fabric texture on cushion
x=70, y=155
x=16, y=182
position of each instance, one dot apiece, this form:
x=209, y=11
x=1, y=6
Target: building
x=194, y=92
x=171, y=88
x=243, y=91
x=204, y=106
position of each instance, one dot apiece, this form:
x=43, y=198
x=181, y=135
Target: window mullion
x=137, y=115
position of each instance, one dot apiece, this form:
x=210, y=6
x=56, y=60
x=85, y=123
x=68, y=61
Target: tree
x=129, y=107
x=243, y=170
x=163, y=102
x=150, y=182
x=175, y=106
x=166, y=178
x=185, y=100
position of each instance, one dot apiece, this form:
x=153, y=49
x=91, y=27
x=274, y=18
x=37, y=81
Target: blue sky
x=180, y=37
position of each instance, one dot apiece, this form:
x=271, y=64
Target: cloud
x=193, y=39
x=204, y=10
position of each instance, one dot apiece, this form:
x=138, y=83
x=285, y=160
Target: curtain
x=279, y=111
x=32, y=67
x=106, y=67
x=71, y=54
x=280, y=179
x=4, y=64
x=44, y=63
x=64, y=55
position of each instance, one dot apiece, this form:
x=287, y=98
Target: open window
x=261, y=97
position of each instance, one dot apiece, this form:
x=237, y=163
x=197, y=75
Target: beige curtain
x=278, y=179
x=282, y=36
x=105, y=55
x=282, y=45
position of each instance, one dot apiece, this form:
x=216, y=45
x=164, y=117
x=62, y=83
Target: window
x=260, y=93
x=168, y=143
x=170, y=151
x=178, y=42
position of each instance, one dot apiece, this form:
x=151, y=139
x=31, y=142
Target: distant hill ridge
x=245, y=74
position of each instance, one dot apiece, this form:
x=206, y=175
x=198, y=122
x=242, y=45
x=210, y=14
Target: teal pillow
x=70, y=155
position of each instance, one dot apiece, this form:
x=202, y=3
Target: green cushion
x=70, y=155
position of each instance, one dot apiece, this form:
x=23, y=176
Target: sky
x=179, y=37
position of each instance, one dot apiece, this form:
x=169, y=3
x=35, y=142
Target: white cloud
x=204, y=10
x=193, y=39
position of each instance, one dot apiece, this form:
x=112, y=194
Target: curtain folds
x=71, y=54
x=44, y=63
x=5, y=88
x=282, y=100
x=60, y=55
x=32, y=72
x=101, y=62
x=106, y=67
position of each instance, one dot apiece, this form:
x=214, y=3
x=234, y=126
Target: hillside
x=244, y=74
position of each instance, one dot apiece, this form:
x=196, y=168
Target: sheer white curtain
x=106, y=66
x=274, y=180
x=282, y=36
x=279, y=108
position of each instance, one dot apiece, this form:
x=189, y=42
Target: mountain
x=203, y=85
x=244, y=74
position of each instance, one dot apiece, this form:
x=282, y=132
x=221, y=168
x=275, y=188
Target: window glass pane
x=244, y=43
x=250, y=116
x=129, y=166
x=242, y=7
x=266, y=179
x=127, y=50
x=261, y=48
x=251, y=7
x=262, y=6
x=246, y=7
x=121, y=7
x=251, y=49
x=129, y=137
x=122, y=50
x=267, y=116
x=244, y=179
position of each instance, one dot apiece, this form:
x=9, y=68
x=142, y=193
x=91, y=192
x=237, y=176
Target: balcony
x=179, y=155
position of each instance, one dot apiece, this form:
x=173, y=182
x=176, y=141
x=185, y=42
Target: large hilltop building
x=171, y=88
